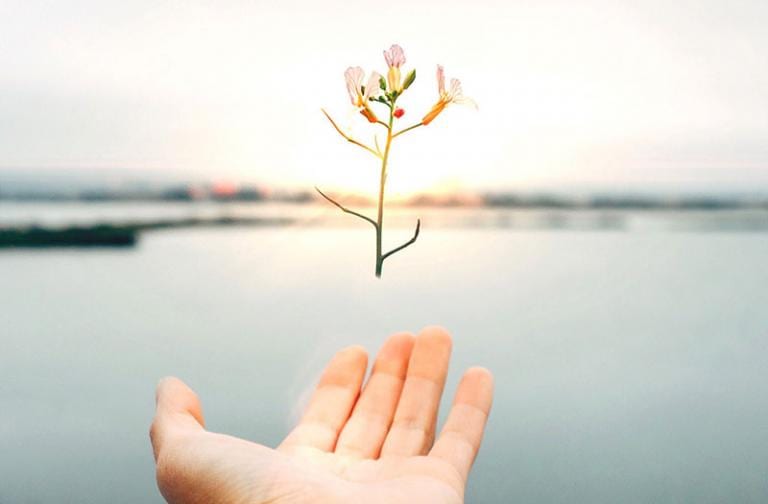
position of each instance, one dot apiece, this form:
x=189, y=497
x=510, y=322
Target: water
x=630, y=366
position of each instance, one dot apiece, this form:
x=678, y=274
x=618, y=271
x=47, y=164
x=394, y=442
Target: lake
x=631, y=360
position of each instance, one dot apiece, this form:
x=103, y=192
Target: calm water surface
x=630, y=366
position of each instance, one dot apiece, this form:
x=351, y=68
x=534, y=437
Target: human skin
x=352, y=445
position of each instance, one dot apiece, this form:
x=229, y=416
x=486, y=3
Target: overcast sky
x=614, y=94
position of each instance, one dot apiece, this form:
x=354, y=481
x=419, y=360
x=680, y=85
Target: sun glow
x=438, y=159
x=416, y=167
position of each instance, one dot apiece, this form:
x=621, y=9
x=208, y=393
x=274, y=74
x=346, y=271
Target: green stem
x=409, y=128
x=382, y=182
x=345, y=209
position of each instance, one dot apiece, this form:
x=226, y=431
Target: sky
x=619, y=94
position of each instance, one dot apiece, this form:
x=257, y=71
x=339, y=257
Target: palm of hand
x=350, y=446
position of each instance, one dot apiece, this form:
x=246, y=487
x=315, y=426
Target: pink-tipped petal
x=456, y=95
x=353, y=77
x=395, y=57
x=455, y=90
x=440, y=80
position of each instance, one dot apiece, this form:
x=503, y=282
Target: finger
x=413, y=427
x=332, y=401
x=366, y=429
x=178, y=410
x=460, y=438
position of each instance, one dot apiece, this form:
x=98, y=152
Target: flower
x=453, y=95
x=395, y=58
x=360, y=95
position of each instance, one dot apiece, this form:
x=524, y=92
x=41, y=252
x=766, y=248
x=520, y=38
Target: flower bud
x=399, y=112
x=393, y=79
x=409, y=79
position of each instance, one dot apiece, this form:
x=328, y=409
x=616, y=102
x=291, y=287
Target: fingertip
x=401, y=338
x=170, y=381
x=346, y=367
x=353, y=354
x=170, y=387
x=435, y=331
x=164, y=384
x=481, y=375
x=436, y=336
x=177, y=409
x=394, y=354
x=431, y=354
x=476, y=389
x=397, y=345
x=175, y=396
x=161, y=388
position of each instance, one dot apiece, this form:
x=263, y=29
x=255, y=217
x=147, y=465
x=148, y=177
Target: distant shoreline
x=125, y=231
x=461, y=200
x=114, y=235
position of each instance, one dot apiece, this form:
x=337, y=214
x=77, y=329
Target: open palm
x=350, y=446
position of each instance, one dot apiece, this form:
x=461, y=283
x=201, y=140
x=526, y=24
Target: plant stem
x=343, y=208
x=382, y=182
x=349, y=138
x=409, y=128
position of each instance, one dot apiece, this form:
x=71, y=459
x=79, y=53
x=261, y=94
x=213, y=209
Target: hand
x=374, y=446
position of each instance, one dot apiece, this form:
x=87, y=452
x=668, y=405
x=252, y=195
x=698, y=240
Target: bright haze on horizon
x=617, y=94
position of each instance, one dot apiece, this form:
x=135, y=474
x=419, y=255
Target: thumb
x=178, y=411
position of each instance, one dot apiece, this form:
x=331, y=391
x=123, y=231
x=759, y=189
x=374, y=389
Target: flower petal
x=465, y=100
x=455, y=90
x=372, y=89
x=353, y=77
x=395, y=57
x=440, y=80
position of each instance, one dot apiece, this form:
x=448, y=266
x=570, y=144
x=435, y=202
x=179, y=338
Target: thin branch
x=409, y=128
x=347, y=210
x=409, y=242
x=350, y=139
x=383, y=123
x=376, y=142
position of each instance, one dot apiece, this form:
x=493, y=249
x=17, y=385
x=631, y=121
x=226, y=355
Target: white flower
x=359, y=95
x=453, y=94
